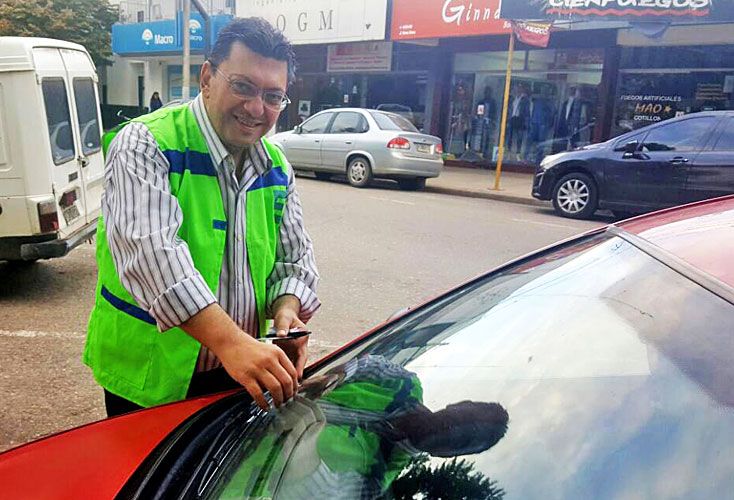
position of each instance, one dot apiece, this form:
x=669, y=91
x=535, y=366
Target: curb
x=489, y=195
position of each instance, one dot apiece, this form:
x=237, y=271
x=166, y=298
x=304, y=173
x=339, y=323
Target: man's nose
x=255, y=106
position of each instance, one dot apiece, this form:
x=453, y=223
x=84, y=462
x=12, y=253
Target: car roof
x=701, y=234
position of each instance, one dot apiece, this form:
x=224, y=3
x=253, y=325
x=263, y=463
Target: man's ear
x=205, y=77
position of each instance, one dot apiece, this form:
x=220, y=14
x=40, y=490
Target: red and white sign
x=414, y=19
x=535, y=34
x=365, y=56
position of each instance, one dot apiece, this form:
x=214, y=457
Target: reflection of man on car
x=367, y=423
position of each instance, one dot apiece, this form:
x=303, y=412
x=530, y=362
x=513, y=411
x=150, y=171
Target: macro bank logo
x=148, y=36
x=195, y=30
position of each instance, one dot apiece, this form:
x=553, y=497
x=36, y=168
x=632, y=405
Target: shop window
x=86, y=108
x=726, y=140
x=348, y=123
x=317, y=124
x=59, y=120
x=681, y=136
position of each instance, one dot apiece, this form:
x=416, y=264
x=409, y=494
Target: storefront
x=689, y=69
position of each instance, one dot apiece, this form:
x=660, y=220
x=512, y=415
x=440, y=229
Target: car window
x=726, y=139
x=619, y=145
x=348, y=122
x=86, y=109
x=317, y=124
x=685, y=135
x=59, y=120
x=563, y=368
x=389, y=121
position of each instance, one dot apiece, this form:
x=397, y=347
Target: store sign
x=321, y=21
x=530, y=33
x=647, y=109
x=354, y=57
x=415, y=19
x=162, y=36
x=639, y=10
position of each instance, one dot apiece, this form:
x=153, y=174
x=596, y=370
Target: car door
x=87, y=120
x=304, y=145
x=342, y=138
x=711, y=174
x=62, y=140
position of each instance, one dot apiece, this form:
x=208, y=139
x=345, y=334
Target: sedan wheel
x=359, y=172
x=575, y=196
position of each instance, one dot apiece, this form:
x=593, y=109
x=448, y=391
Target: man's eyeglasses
x=273, y=99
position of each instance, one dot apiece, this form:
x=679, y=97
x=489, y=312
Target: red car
x=600, y=367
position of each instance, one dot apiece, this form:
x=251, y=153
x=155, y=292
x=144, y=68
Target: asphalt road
x=378, y=250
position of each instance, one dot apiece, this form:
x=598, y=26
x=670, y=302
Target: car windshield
x=389, y=121
x=566, y=375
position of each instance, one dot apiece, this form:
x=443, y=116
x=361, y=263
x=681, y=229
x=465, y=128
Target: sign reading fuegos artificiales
x=641, y=10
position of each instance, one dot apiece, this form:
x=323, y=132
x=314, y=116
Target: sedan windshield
x=592, y=371
x=390, y=121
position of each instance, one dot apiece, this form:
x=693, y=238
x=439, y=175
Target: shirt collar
x=257, y=154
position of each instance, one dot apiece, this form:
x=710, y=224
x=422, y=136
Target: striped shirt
x=142, y=218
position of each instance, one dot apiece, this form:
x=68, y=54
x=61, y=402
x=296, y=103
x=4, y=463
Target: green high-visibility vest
x=126, y=352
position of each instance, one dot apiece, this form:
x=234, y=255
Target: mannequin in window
x=541, y=124
x=460, y=115
x=483, y=123
x=519, y=119
x=570, y=118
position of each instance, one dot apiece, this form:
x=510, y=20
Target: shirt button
x=239, y=238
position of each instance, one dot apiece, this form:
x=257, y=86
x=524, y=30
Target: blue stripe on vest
x=275, y=177
x=127, y=308
x=195, y=162
x=219, y=224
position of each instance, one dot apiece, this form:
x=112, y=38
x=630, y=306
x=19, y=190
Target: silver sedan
x=364, y=144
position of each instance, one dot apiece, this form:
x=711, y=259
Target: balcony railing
x=141, y=11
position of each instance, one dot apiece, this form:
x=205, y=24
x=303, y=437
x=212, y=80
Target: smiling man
x=202, y=240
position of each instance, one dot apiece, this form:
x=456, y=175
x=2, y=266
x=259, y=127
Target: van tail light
x=48, y=217
x=439, y=149
x=399, y=143
x=68, y=199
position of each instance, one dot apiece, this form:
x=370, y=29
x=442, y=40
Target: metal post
x=505, y=107
x=186, y=70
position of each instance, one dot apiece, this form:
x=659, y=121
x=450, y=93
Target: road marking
x=35, y=334
x=525, y=221
x=392, y=201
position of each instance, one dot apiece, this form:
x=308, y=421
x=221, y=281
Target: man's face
x=241, y=122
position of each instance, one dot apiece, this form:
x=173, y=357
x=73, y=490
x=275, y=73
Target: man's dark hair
x=259, y=36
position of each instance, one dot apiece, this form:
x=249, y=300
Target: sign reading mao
x=640, y=10
x=321, y=21
x=413, y=19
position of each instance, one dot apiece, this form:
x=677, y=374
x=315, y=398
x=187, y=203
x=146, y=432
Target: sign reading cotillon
x=640, y=10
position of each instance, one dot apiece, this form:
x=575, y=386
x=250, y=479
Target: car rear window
x=389, y=121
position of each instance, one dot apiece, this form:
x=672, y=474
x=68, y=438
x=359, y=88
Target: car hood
x=98, y=457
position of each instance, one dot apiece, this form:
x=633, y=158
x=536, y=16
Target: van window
x=86, y=110
x=59, y=120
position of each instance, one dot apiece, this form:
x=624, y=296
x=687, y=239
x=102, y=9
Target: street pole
x=505, y=107
x=186, y=70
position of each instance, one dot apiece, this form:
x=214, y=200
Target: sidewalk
x=515, y=187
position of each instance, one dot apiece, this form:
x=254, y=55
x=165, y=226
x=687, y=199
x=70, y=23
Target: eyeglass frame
x=260, y=92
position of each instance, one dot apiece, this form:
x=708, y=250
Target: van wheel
x=412, y=183
x=575, y=196
x=359, y=172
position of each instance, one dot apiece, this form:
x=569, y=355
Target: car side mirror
x=629, y=148
x=297, y=129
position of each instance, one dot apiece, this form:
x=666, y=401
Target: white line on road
x=525, y=221
x=393, y=201
x=34, y=334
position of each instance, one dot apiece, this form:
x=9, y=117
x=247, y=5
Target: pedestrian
x=202, y=240
x=155, y=102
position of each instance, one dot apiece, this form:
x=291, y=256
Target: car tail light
x=48, y=217
x=439, y=149
x=68, y=199
x=399, y=143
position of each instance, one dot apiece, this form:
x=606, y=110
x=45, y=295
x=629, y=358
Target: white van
x=51, y=165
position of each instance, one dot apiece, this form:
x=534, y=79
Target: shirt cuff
x=292, y=286
x=181, y=301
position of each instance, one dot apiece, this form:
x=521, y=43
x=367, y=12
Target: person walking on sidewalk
x=202, y=240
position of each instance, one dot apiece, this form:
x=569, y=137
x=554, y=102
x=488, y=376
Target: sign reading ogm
x=640, y=10
x=321, y=21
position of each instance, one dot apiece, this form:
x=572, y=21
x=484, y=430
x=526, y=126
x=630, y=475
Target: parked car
x=600, y=367
x=363, y=144
x=681, y=160
x=51, y=165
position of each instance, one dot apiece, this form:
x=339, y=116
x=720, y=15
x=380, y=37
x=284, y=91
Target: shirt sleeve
x=294, y=272
x=142, y=219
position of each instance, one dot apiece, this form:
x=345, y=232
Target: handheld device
x=293, y=333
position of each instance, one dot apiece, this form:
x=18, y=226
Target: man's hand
x=285, y=317
x=257, y=366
